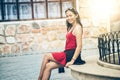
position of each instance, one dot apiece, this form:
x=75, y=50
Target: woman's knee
x=47, y=55
x=49, y=66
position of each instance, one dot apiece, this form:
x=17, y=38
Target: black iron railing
x=109, y=47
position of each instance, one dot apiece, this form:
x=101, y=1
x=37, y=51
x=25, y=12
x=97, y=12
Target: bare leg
x=44, y=62
x=48, y=68
x=47, y=58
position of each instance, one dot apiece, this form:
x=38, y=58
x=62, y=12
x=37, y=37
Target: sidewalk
x=27, y=67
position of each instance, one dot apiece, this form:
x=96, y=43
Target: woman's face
x=70, y=17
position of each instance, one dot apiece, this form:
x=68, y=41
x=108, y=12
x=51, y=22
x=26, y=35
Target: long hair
x=77, y=19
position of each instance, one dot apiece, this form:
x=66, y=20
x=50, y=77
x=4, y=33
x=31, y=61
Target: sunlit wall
x=101, y=13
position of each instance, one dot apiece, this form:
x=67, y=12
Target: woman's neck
x=74, y=24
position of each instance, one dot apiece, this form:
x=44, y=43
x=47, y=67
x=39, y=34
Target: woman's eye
x=69, y=16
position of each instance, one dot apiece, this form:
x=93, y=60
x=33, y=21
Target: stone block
x=35, y=25
x=34, y=47
x=35, y=30
x=38, y=38
x=2, y=30
x=1, y=49
x=7, y=49
x=24, y=28
x=43, y=31
x=23, y=38
x=51, y=35
x=15, y=49
x=61, y=36
x=10, y=39
x=2, y=39
x=44, y=45
x=10, y=30
x=25, y=47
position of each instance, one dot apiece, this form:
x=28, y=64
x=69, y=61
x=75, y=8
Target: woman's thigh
x=53, y=65
x=50, y=57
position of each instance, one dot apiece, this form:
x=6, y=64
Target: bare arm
x=78, y=34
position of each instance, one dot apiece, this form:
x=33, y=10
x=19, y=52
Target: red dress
x=60, y=57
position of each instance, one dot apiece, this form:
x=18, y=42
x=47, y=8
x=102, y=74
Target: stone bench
x=92, y=71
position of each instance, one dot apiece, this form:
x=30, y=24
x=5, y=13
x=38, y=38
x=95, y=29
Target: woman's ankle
x=39, y=78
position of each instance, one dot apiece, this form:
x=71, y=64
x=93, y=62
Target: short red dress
x=61, y=57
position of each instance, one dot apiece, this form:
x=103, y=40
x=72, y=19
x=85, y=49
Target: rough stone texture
x=15, y=49
x=1, y=31
x=90, y=77
x=2, y=39
x=1, y=49
x=10, y=39
x=51, y=35
x=24, y=28
x=10, y=30
x=43, y=35
x=7, y=49
x=29, y=36
x=115, y=26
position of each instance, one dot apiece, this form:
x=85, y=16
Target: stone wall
x=31, y=36
x=26, y=37
x=115, y=18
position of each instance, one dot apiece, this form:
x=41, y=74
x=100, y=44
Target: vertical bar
x=46, y=1
x=105, y=47
x=61, y=9
x=109, y=48
x=18, y=14
x=119, y=53
x=32, y=7
x=103, y=50
x=113, y=49
x=118, y=48
x=100, y=47
x=2, y=9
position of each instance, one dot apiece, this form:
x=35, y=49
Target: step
x=92, y=71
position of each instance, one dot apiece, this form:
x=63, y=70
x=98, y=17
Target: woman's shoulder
x=78, y=26
x=77, y=30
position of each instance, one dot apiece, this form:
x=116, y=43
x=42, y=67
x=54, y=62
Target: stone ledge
x=108, y=65
x=92, y=71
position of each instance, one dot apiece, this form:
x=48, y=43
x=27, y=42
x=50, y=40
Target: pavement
x=27, y=67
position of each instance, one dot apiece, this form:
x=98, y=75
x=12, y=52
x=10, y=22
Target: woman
x=71, y=54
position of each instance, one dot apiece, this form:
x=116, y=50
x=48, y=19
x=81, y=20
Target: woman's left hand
x=69, y=63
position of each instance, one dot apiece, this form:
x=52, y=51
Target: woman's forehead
x=69, y=12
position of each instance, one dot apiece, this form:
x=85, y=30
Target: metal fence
x=109, y=47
